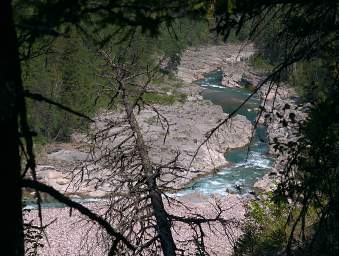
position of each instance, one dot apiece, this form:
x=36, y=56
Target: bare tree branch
x=82, y=209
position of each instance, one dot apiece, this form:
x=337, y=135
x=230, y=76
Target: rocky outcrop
x=68, y=155
x=266, y=183
x=250, y=79
x=231, y=59
x=189, y=123
x=282, y=117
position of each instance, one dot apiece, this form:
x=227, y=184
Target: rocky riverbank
x=188, y=124
x=70, y=233
x=189, y=121
x=280, y=104
x=281, y=116
x=231, y=59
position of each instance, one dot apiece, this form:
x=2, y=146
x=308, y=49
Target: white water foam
x=255, y=160
x=212, y=85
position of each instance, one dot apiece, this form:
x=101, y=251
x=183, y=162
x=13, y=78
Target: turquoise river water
x=248, y=164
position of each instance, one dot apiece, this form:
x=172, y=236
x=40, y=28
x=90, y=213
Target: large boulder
x=68, y=155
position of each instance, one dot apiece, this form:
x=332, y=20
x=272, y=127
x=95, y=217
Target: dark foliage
x=304, y=36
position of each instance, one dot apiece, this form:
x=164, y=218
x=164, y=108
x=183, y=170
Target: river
x=248, y=164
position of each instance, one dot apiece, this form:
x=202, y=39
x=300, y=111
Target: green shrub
x=264, y=229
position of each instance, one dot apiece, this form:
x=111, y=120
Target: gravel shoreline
x=71, y=234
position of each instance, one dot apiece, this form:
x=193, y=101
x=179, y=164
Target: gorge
x=206, y=99
x=215, y=177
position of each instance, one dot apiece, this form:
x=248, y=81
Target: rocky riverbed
x=189, y=121
x=282, y=116
x=231, y=59
x=188, y=124
x=70, y=233
x=280, y=103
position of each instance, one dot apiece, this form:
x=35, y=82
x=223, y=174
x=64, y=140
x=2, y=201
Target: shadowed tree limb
x=39, y=97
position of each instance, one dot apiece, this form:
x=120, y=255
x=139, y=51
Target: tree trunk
x=163, y=224
x=11, y=96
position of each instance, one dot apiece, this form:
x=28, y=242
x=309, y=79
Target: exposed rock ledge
x=280, y=105
x=231, y=59
x=189, y=122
